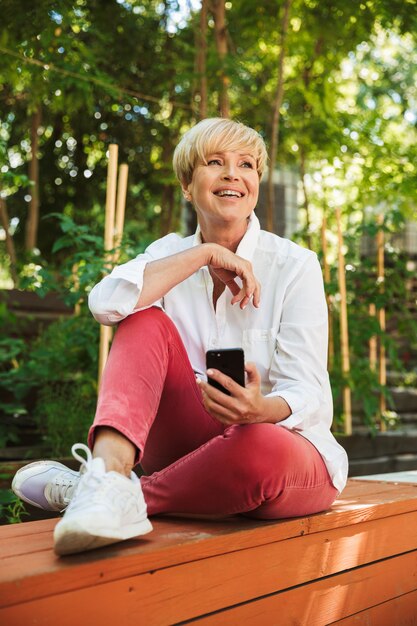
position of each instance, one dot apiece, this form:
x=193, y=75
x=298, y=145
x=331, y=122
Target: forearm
x=162, y=275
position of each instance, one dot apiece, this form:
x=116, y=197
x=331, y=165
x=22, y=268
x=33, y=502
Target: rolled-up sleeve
x=116, y=295
x=298, y=372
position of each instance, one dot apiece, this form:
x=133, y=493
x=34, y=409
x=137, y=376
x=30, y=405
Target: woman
x=266, y=449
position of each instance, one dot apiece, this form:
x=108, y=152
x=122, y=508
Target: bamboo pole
x=326, y=275
x=120, y=209
x=382, y=371
x=344, y=336
x=373, y=344
x=106, y=331
x=76, y=283
x=111, y=196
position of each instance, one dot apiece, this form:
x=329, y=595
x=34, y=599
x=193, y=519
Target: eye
x=213, y=162
x=248, y=164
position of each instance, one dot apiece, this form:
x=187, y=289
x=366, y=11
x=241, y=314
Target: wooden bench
x=355, y=564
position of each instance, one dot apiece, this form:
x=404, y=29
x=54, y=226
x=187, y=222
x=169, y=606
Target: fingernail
x=210, y=372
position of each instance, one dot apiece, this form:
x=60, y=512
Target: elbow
x=99, y=310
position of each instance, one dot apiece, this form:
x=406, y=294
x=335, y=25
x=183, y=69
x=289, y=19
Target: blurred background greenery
x=331, y=85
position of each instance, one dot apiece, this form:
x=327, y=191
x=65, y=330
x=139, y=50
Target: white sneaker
x=105, y=508
x=49, y=485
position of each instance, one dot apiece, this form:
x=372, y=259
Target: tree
x=276, y=115
x=220, y=30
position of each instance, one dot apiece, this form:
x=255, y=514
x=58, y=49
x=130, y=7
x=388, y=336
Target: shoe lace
x=62, y=489
x=85, y=462
x=92, y=475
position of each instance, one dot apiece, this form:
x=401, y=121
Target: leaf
x=60, y=244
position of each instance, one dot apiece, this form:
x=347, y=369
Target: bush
x=54, y=376
x=63, y=366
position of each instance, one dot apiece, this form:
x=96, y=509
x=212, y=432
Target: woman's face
x=225, y=189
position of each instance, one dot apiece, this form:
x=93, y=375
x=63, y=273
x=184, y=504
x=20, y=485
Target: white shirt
x=286, y=337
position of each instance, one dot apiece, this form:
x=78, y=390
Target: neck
x=227, y=236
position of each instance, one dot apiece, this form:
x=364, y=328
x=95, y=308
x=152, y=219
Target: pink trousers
x=193, y=463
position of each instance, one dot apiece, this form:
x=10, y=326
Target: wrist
x=208, y=251
x=262, y=410
x=274, y=409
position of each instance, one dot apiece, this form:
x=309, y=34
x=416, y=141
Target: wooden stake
x=382, y=372
x=120, y=209
x=111, y=197
x=326, y=275
x=344, y=335
x=76, y=281
x=106, y=331
x=373, y=346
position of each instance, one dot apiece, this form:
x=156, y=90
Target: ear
x=186, y=192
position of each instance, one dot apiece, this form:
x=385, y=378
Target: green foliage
x=64, y=413
x=364, y=289
x=60, y=366
x=12, y=391
x=79, y=254
x=124, y=72
x=12, y=509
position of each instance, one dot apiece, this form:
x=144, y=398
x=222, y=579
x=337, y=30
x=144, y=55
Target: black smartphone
x=230, y=361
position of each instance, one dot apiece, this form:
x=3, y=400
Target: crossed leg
x=193, y=464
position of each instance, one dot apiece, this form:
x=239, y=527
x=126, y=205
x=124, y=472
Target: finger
x=228, y=383
x=238, y=296
x=217, y=410
x=245, y=301
x=215, y=395
x=250, y=289
x=244, y=296
x=253, y=375
x=221, y=413
x=257, y=295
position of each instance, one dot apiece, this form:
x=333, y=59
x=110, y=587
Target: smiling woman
x=214, y=134
x=224, y=190
x=265, y=449
x=219, y=164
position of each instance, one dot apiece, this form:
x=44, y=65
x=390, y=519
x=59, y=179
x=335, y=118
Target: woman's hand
x=227, y=266
x=243, y=406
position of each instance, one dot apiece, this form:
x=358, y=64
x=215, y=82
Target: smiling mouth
x=228, y=193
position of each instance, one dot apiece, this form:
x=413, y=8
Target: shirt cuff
x=132, y=272
x=301, y=411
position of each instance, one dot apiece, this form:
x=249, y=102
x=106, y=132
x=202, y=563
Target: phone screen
x=230, y=361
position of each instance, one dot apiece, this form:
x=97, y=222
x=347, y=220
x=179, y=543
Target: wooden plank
x=177, y=593
x=31, y=563
x=172, y=542
x=29, y=568
x=25, y=530
x=390, y=498
x=332, y=599
x=401, y=611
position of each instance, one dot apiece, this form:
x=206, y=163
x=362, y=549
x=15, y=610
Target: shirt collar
x=247, y=246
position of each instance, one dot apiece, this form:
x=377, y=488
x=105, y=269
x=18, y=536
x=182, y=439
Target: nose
x=230, y=171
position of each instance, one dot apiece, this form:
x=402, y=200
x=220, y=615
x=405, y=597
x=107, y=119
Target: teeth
x=228, y=192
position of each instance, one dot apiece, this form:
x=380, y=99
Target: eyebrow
x=221, y=152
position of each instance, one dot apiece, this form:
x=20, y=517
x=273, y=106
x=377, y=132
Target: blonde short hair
x=212, y=135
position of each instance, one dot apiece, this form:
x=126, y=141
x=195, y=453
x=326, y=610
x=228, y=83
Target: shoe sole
x=19, y=479
x=70, y=537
